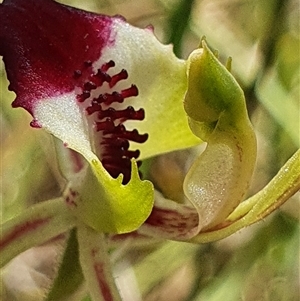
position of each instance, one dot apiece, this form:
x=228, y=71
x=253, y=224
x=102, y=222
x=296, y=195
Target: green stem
x=95, y=263
x=34, y=226
x=178, y=23
x=285, y=184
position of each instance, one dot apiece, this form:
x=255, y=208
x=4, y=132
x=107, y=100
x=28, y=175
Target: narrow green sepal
x=69, y=276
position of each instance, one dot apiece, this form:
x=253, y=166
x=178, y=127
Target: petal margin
x=43, y=43
x=162, y=82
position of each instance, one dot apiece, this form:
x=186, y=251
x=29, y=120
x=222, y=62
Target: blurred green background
x=258, y=263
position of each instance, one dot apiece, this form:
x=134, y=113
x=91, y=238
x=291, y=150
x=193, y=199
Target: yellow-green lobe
x=219, y=179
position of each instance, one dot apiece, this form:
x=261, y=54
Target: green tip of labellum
x=106, y=205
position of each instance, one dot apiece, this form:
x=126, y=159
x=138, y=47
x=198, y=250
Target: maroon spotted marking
x=116, y=78
x=173, y=221
x=132, y=91
x=71, y=198
x=108, y=121
x=82, y=97
x=107, y=66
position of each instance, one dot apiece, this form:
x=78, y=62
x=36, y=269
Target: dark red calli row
x=115, y=155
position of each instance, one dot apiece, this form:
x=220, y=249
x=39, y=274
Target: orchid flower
x=91, y=81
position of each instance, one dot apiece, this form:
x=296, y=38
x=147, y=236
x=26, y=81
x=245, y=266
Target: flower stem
x=95, y=263
x=284, y=185
x=34, y=226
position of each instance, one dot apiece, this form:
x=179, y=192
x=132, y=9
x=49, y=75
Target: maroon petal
x=43, y=42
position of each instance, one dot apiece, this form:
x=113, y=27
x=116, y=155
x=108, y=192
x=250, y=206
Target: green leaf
x=69, y=275
x=179, y=23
